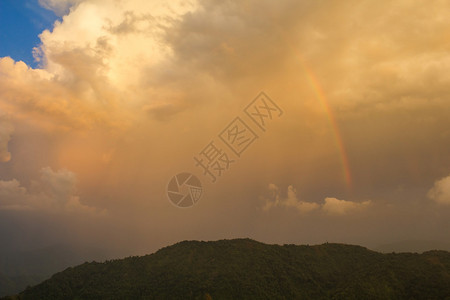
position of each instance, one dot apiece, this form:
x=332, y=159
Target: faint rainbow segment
x=320, y=95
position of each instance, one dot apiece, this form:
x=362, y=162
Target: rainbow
x=320, y=95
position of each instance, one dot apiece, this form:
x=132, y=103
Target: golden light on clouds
x=128, y=92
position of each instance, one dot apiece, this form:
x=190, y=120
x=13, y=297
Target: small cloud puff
x=440, y=193
x=291, y=201
x=59, y=7
x=332, y=206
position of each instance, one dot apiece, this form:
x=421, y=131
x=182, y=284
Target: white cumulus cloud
x=440, y=192
x=290, y=201
x=335, y=206
x=331, y=206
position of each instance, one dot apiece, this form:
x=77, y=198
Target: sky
x=329, y=120
x=21, y=22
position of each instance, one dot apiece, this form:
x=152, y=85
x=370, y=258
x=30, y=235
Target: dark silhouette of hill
x=246, y=269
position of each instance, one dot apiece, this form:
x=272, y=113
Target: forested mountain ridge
x=246, y=269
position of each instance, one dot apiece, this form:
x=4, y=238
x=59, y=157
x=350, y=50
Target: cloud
x=6, y=131
x=36, y=96
x=104, y=66
x=440, y=192
x=331, y=206
x=60, y=7
x=12, y=195
x=128, y=91
x=55, y=191
x=290, y=201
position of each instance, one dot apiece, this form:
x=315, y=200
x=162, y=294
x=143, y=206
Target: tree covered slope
x=246, y=269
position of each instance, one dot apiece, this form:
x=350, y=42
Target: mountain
x=418, y=246
x=21, y=269
x=246, y=269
